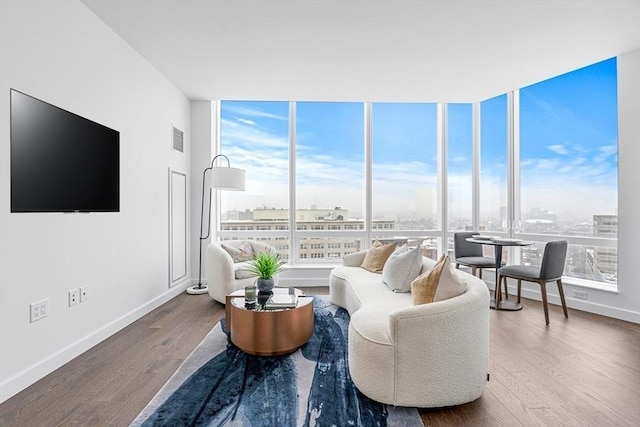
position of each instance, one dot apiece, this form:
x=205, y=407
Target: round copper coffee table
x=269, y=332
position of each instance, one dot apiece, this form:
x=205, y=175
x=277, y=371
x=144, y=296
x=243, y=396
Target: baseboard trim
x=31, y=375
x=577, y=304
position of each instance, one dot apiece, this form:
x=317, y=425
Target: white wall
x=629, y=185
x=203, y=123
x=60, y=52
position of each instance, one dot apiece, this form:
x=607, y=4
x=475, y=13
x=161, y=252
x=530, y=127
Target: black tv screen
x=61, y=162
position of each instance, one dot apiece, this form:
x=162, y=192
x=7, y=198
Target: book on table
x=281, y=301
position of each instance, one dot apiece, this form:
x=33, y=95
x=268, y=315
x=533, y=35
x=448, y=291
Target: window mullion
x=368, y=175
x=510, y=165
x=475, y=169
x=294, y=246
x=517, y=216
x=217, y=149
x=442, y=174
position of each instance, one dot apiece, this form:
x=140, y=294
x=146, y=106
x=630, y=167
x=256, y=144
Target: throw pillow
x=376, y=256
x=244, y=252
x=401, y=268
x=438, y=284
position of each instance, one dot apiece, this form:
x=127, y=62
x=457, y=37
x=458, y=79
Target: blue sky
x=333, y=129
x=403, y=132
x=569, y=143
x=568, y=134
x=572, y=120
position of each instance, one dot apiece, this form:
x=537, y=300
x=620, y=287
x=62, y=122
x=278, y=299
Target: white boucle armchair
x=428, y=355
x=223, y=275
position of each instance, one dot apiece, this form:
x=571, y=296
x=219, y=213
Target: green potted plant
x=265, y=265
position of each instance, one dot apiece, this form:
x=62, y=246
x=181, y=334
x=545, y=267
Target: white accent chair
x=223, y=275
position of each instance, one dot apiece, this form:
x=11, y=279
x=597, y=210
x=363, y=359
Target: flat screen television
x=61, y=162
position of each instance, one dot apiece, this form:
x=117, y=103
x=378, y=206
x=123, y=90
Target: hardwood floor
x=581, y=371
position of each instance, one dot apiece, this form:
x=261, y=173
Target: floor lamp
x=222, y=178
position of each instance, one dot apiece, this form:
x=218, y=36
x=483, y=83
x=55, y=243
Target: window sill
x=590, y=284
x=314, y=266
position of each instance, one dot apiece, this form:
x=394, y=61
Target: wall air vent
x=178, y=140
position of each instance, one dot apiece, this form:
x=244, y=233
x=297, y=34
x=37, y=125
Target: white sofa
x=222, y=272
x=429, y=355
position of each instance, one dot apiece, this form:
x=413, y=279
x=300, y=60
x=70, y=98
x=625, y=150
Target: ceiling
x=355, y=50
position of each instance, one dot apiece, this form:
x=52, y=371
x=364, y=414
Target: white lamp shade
x=227, y=178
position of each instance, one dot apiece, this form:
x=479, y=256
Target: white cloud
x=245, y=111
x=458, y=159
x=240, y=134
x=548, y=164
x=609, y=149
x=246, y=121
x=577, y=161
x=558, y=149
x=605, y=152
x=571, y=200
x=405, y=174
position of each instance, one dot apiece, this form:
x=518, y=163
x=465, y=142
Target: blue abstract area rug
x=219, y=385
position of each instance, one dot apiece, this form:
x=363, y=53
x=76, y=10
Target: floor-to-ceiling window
x=404, y=171
x=568, y=168
x=329, y=174
x=404, y=166
x=563, y=184
x=255, y=137
x=493, y=164
x=459, y=166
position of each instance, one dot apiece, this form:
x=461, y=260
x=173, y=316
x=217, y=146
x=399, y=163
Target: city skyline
x=597, y=263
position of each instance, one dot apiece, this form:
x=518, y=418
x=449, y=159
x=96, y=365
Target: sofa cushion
x=244, y=252
x=242, y=270
x=402, y=267
x=376, y=256
x=364, y=288
x=438, y=284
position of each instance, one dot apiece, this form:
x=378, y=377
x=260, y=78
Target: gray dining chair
x=470, y=254
x=550, y=270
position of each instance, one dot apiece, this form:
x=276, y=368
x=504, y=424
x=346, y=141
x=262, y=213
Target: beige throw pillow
x=401, y=268
x=242, y=253
x=376, y=256
x=438, y=284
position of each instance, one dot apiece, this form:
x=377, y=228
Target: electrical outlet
x=83, y=293
x=73, y=297
x=39, y=310
x=580, y=294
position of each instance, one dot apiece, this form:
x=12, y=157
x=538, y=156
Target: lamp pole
x=229, y=179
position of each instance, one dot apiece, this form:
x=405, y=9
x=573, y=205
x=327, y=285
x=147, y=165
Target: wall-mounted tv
x=61, y=162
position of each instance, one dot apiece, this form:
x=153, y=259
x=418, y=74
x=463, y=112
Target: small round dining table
x=497, y=302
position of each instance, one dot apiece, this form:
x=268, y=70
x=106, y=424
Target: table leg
x=496, y=297
x=497, y=302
